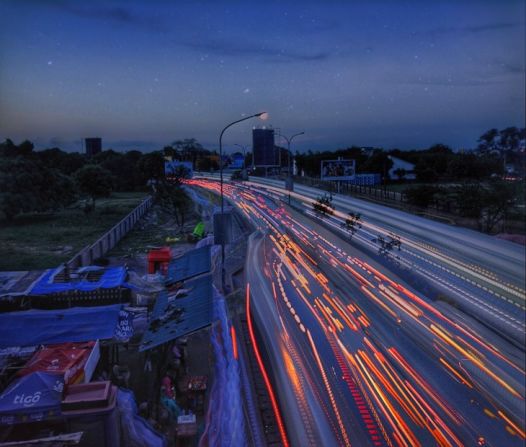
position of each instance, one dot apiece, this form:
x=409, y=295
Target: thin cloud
x=98, y=11
x=512, y=68
x=239, y=49
x=473, y=29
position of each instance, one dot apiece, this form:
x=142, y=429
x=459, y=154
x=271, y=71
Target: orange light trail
x=513, y=425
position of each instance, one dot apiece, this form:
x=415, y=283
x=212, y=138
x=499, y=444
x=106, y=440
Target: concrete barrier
x=108, y=240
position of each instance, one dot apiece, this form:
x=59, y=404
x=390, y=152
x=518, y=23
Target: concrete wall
x=108, y=240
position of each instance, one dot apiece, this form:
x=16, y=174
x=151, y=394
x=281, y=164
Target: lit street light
x=263, y=116
x=289, y=176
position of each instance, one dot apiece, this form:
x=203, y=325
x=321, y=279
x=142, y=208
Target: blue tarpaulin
x=192, y=263
x=35, y=327
x=34, y=397
x=109, y=278
x=136, y=431
x=174, y=317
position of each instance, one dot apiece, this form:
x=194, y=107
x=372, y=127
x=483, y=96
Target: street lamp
x=263, y=116
x=243, y=148
x=289, y=179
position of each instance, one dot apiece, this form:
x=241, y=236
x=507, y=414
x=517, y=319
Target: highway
x=490, y=270
x=360, y=357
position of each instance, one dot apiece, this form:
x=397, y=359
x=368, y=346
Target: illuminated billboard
x=338, y=169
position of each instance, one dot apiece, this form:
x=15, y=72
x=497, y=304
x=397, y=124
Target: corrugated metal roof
x=192, y=263
x=174, y=317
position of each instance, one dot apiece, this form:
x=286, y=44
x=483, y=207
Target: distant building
x=93, y=146
x=369, y=150
x=265, y=153
x=401, y=167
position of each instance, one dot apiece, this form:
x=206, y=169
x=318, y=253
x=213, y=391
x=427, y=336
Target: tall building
x=93, y=146
x=265, y=153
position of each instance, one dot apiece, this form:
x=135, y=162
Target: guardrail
x=108, y=240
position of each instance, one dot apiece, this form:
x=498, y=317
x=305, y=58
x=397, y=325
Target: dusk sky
x=369, y=73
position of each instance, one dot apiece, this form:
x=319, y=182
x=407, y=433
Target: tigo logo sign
x=27, y=401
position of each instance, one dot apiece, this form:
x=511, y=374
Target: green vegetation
x=93, y=181
x=489, y=203
x=44, y=240
x=498, y=152
x=159, y=229
x=47, y=198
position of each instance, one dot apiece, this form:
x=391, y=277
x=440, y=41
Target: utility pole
x=289, y=183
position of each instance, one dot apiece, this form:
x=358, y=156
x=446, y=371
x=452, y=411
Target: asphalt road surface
x=358, y=356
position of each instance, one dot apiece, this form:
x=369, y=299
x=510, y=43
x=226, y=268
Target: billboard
x=338, y=169
x=265, y=153
x=237, y=161
x=172, y=168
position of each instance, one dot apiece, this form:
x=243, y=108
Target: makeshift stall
x=34, y=397
x=75, y=361
x=91, y=408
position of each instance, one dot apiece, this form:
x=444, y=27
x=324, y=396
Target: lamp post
x=262, y=115
x=243, y=148
x=289, y=176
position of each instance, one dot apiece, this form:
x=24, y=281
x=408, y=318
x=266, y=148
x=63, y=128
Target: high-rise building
x=265, y=153
x=93, y=146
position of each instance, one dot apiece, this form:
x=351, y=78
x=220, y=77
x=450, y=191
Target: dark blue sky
x=372, y=73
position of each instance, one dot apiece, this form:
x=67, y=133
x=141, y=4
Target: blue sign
x=124, y=329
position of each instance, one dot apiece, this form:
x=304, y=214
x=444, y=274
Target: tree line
x=495, y=150
x=51, y=179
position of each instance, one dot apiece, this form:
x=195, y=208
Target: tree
x=124, y=168
x=189, y=149
x=469, y=200
x=489, y=141
x=151, y=166
x=94, y=181
x=65, y=162
x=25, y=186
x=352, y=223
x=174, y=200
x=207, y=163
x=400, y=173
x=506, y=144
x=425, y=171
x=25, y=148
x=177, y=175
x=421, y=196
x=323, y=206
x=379, y=162
x=498, y=198
x=9, y=149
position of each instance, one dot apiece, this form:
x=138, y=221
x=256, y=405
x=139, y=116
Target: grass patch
x=152, y=231
x=400, y=187
x=39, y=241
